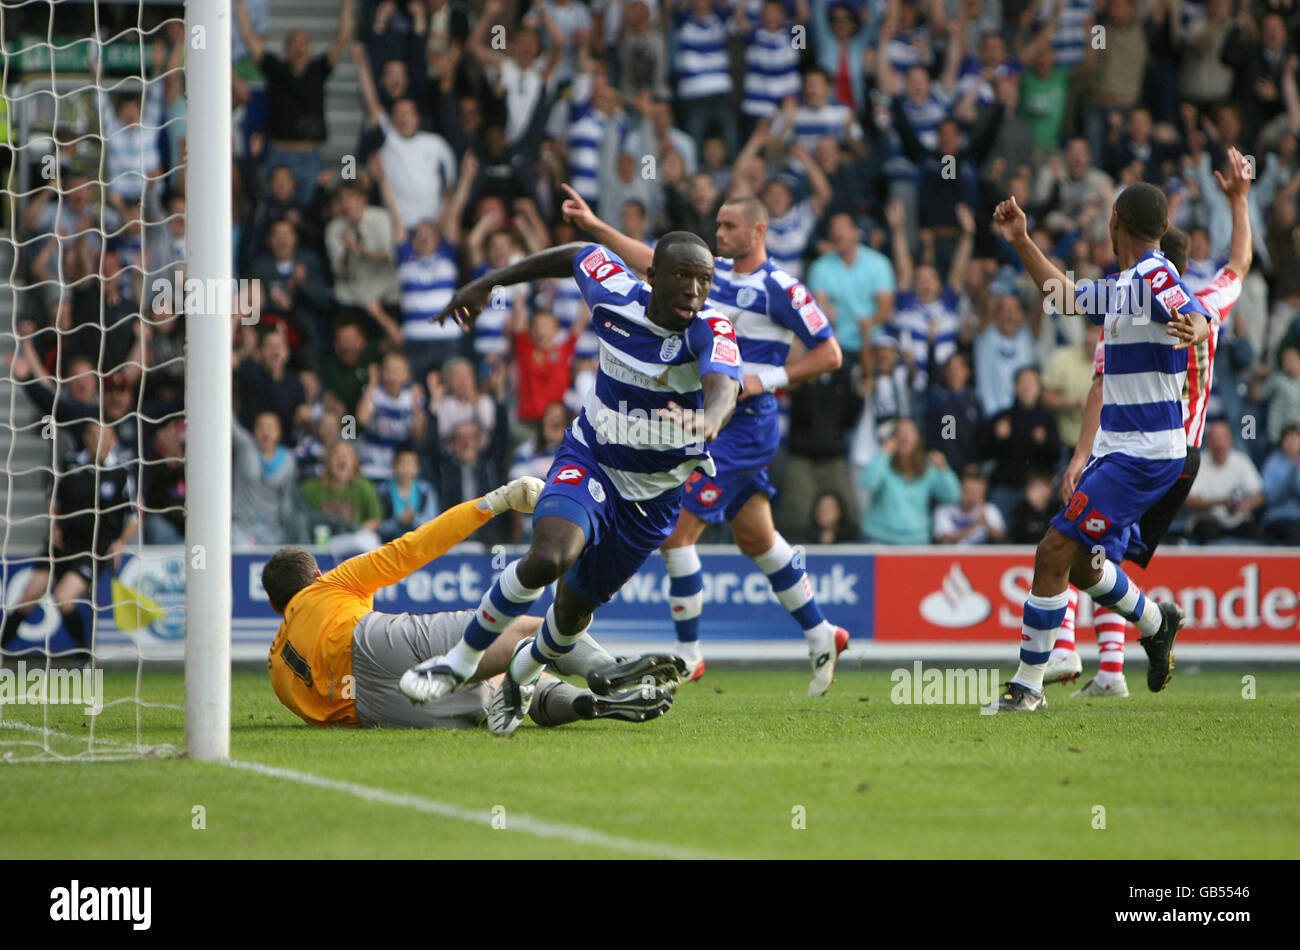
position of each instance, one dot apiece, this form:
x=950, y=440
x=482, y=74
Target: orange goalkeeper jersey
x=311, y=657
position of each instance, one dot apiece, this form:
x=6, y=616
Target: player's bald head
x=679, y=245
x=1143, y=211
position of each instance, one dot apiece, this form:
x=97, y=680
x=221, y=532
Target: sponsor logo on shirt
x=722, y=327
x=1095, y=524
x=571, y=475
x=709, y=494
x=812, y=317
x=725, y=352
x=1173, y=298
x=599, y=267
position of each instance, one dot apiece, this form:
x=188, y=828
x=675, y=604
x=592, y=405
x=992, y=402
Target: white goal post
x=207, y=380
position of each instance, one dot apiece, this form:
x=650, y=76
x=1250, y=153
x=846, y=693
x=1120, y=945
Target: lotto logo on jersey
x=599, y=267
x=722, y=326
x=709, y=494
x=1095, y=525
x=798, y=295
x=570, y=475
x=812, y=317
x=725, y=352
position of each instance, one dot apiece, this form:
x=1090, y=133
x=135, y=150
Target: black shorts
x=1155, y=523
x=77, y=561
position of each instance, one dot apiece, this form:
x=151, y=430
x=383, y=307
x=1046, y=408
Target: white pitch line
x=515, y=822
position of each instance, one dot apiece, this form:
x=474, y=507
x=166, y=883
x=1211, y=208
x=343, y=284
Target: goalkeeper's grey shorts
x=384, y=646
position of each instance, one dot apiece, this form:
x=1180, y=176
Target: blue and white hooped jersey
x=427, y=284
x=644, y=367
x=914, y=323
x=391, y=429
x=490, y=325
x=771, y=71
x=769, y=308
x=1142, y=391
x=586, y=132
x=1070, y=41
x=702, y=63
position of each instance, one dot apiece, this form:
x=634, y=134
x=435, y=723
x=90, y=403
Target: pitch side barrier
x=899, y=603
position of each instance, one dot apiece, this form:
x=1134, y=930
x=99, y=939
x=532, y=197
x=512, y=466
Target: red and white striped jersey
x=1218, y=297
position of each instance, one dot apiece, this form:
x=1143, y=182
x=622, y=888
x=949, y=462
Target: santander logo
x=956, y=603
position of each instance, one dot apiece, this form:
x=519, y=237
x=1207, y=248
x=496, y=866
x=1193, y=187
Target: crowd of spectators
x=878, y=133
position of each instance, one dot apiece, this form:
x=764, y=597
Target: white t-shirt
x=949, y=519
x=1236, y=474
x=420, y=169
x=523, y=89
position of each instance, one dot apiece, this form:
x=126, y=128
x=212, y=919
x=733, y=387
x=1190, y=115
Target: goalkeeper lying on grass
x=336, y=661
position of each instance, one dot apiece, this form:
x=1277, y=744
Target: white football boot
x=1064, y=670
x=1117, y=688
x=823, y=657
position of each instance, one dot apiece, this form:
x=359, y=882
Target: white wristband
x=773, y=378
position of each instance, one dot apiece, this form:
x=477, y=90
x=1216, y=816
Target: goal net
x=112, y=577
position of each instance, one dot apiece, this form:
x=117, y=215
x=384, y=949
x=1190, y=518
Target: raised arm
x=821, y=186
x=343, y=35
x=886, y=77
x=965, y=244
x=471, y=299
x=256, y=44
x=366, y=83
x=480, y=50
x=172, y=71
x=390, y=200
x=1047, y=277
x=1043, y=37
x=366, y=405
x=1236, y=188
x=956, y=50
x=557, y=45
x=912, y=144
x=531, y=227
x=577, y=212
x=896, y=215
x=451, y=210
x=761, y=136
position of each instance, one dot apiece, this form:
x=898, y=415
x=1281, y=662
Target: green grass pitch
x=741, y=761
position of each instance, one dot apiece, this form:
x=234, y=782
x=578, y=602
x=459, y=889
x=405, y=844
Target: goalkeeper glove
x=520, y=494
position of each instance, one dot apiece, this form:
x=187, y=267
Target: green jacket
x=899, y=512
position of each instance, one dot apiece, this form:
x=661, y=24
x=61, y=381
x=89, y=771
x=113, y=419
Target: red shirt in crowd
x=544, y=375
